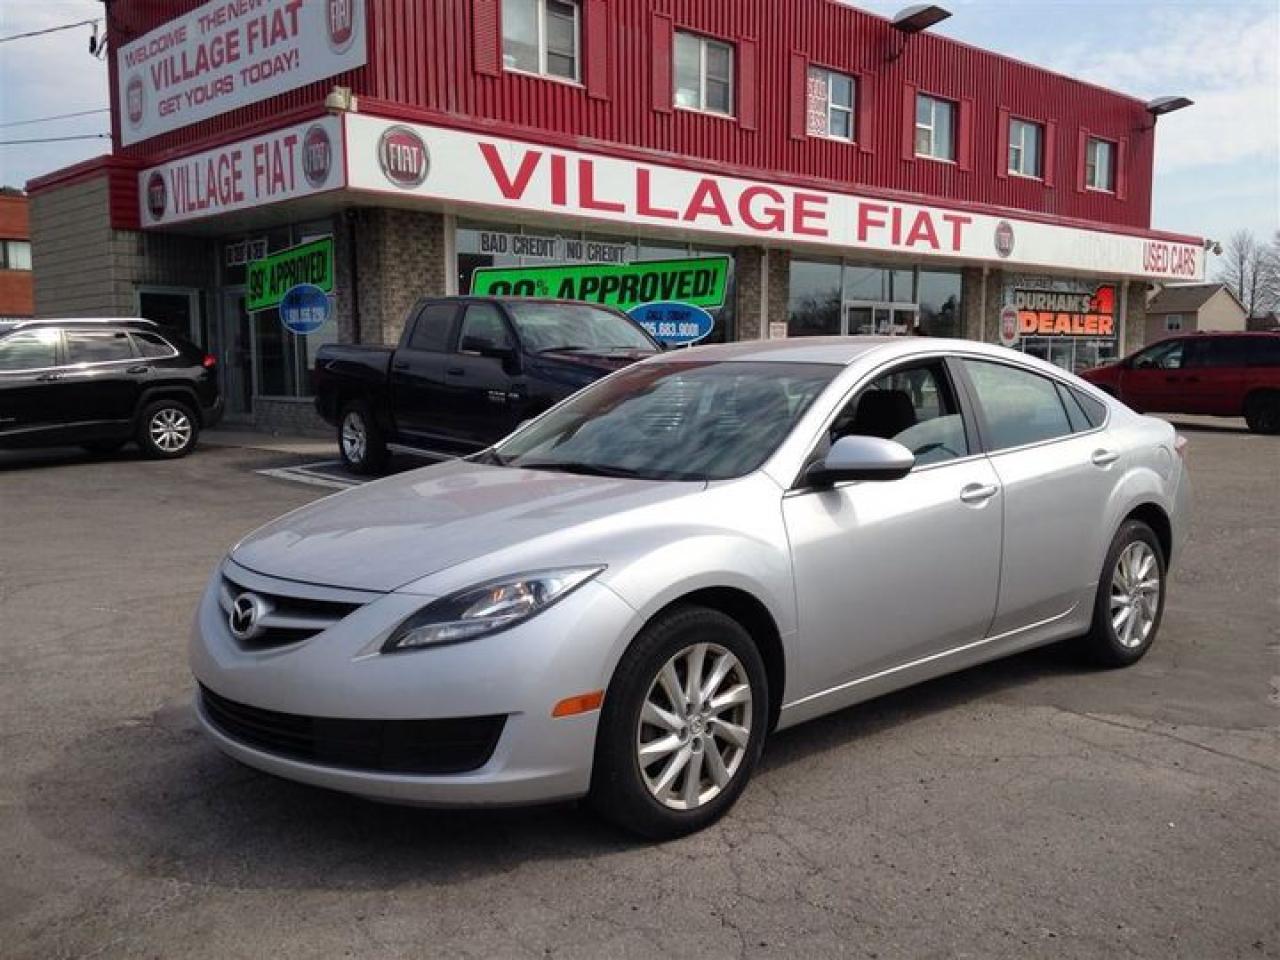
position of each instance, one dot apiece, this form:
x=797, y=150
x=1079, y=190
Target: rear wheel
x=167, y=430
x=1130, y=599
x=1262, y=413
x=360, y=442
x=683, y=725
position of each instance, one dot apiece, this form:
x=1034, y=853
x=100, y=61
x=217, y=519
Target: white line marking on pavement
x=303, y=473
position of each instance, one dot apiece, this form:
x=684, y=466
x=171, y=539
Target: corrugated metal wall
x=444, y=56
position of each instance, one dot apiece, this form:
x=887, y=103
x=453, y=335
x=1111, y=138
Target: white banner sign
x=474, y=169
x=229, y=53
x=294, y=162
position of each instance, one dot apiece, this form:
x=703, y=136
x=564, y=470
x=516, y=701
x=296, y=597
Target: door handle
x=140, y=368
x=456, y=372
x=1104, y=458
x=978, y=492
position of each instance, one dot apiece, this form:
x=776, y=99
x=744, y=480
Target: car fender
x=174, y=390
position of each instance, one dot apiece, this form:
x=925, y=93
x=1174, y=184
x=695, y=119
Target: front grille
x=453, y=745
x=287, y=619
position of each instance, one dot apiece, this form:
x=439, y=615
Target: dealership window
x=1099, y=165
x=542, y=37
x=831, y=98
x=935, y=128
x=1025, y=139
x=15, y=255
x=828, y=298
x=703, y=74
x=1173, y=322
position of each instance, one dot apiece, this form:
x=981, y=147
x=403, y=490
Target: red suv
x=1218, y=374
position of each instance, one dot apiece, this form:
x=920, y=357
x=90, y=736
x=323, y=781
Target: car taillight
x=209, y=361
x=1180, y=445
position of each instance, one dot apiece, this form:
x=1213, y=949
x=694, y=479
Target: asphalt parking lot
x=1029, y=808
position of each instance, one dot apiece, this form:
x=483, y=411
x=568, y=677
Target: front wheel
x=360, y=442
x=1130, y=599
x=1262, y=413
x=167, y=430
x=683, y=725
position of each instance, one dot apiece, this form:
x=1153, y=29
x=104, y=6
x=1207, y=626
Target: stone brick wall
x=753, y=313
x=289, y=415
x=1135, y=325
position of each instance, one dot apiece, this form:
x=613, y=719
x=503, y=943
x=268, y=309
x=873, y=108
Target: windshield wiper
x=583, y=469
x=567, y=348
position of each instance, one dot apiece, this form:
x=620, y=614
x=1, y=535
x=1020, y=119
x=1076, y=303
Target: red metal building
x=858, y=176
x=17, y=298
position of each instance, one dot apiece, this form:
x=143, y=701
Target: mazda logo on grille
x=247, y=611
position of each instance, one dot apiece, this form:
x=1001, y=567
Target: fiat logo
x=317, y=156
x=157, y=196
x=1004, y=238
x=403, y=157
x=135, y=98
x=247, y=611
x=341, y=18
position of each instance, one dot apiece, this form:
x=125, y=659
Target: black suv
x=101, y=383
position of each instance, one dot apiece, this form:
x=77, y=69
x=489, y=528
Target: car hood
x=387, y=534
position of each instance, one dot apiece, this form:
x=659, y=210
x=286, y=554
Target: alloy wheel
x=170, y=429
x=355, y=438
x=1135, y=594
x=694, y=727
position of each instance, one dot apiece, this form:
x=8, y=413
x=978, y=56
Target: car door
x=890, y=573
x=485, y=391
x=419, y=389
x=1151, y=382
x=103, y=380
x=1214, y=375
x=1056, y=477
x=29, y=385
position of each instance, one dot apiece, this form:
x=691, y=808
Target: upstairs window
x=1099, y=165
x=15, y=255
x=830, y=104
x=1025, y=150
x=1173, y=322
x=542, y=37
x=704, y=74
x=935, y=128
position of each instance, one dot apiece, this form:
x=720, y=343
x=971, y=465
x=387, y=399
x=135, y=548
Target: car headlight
x=486, y=608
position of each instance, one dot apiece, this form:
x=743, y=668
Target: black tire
x=370, y=457
x=1262, y=413
x=619, y=792
x=167, y=429
x=102, y=448
x=1106, y=644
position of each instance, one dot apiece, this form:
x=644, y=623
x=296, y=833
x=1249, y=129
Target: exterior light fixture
x=341, y=100
x=1162, y=105
x=920, y=17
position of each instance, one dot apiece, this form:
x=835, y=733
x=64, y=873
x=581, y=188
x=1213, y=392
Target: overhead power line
x=83, y=136
x=56, y=116
x=41, y=33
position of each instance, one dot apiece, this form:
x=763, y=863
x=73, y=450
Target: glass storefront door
x=235, y=352
x=881, y=319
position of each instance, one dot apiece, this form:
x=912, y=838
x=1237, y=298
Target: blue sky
x=1217, y=164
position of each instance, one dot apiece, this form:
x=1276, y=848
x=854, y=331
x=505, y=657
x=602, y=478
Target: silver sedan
x=624, y=597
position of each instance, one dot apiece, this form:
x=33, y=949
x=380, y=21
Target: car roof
x=84, y=321
x=835, y=350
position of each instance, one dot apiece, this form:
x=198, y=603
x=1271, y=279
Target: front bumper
x=520, y=674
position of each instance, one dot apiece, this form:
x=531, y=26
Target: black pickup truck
x=467, y=372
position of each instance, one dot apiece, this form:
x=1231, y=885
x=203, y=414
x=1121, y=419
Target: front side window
x=483, y=329
x=672, y=420
x=1019, y=406
x=935, y=128
x=542, y=37
x=914, y=406
x=1163, y=356
x=1099, y=173
x=98, y=346
x=830, y=104
x=703, y=74
x=1024, y=148
x=29, y=350
x=547, y=327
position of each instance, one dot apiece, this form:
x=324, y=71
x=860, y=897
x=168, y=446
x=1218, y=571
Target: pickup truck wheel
x=360, y=442
x=1262, y=413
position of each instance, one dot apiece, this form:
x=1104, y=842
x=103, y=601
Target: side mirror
x=861, y=458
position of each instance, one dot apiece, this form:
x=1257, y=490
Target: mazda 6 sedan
x=627, y=595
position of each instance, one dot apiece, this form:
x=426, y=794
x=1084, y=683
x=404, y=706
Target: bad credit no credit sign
x=700, y=282
x=271, y=278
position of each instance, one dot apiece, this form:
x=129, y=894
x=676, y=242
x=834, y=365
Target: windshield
x=672, y=420
x=576, y=326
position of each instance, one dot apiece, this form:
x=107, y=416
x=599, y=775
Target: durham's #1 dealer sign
x=230, y=53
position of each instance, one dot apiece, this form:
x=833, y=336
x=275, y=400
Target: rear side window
x=1264, y=351
x=1094, y=410
x=1019, y=407
x=97, y=346
x=152, y=346
x=32, y=350
x=434, y=325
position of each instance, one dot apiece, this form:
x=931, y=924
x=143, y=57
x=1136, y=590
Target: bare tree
x=1251, y=270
